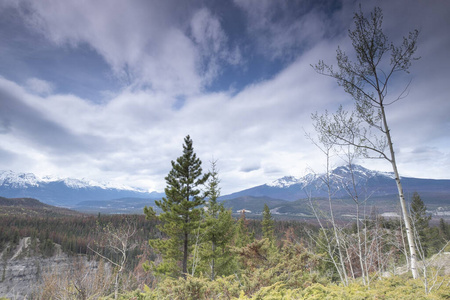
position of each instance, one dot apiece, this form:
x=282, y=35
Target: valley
x=287, y=197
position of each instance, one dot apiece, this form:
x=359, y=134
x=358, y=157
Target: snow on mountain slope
x=338, y=174
x=288, y=181
x=24, y=180
x=360, y=172
x=367, y=182
x=284, y=182
x=65, y=191
x=18, y=180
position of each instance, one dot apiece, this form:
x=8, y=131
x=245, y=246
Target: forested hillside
x=264, y=258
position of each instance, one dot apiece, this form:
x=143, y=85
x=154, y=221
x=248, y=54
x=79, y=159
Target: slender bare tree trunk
x=328, y=245
x=366, y=248
x=116, y=283
x=355, y=198
x=405, y=249
x=360, y=252
x=409, y=233
x=333, y=223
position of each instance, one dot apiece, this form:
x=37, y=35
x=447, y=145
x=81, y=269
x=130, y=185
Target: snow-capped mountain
x=18, y=180
x=285, y=181
x=378, y=184
x=339, y=177
x=64, y=191
x=289, y=196
x=25, y=180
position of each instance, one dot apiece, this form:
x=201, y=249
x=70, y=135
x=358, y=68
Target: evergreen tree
x=267, y=224
x=444, y=231
x=213, y=191
x=218, y=232
x=419, y=212
x=242, y=236
x=420, y=220
x=182, y=213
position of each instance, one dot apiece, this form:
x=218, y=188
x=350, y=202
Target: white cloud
x=212, y=44
x=39, y=86
x=147, y=44
x=169, y=54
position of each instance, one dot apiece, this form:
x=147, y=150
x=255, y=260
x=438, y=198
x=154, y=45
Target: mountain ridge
x=378, y=188
x=378, y=183
x=66, y=192
x=32, y=207
x=29, y=179
x=375, y=190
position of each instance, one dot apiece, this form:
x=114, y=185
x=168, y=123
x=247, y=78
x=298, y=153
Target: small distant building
x=245, y=211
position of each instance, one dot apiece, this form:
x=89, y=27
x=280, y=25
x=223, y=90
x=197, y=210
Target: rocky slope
x=24, y=268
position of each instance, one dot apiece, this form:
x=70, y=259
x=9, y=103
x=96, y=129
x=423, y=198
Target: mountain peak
x=18, y=180
x=284, y=182
x=339, y=172
x=360, y=171
x=24, y=180
x=64, y=191
x=368, y=183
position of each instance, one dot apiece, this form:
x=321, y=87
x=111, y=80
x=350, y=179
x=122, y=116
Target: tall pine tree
x=420, y=222
x=182, y=213
x=267, y=224
x=218, y=232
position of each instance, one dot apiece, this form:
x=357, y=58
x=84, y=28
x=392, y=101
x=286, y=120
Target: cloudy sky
x=107, y=89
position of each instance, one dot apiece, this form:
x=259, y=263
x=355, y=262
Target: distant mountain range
x=290, y=196
x=377, y=184
x=64, y=192
x=287, y=196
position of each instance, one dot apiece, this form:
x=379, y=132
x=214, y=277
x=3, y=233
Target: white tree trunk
x=409, y=233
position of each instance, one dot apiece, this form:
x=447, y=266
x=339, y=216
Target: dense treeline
x=266, y=257
x=73, y=233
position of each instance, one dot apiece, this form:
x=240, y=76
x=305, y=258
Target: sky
x=107, y=90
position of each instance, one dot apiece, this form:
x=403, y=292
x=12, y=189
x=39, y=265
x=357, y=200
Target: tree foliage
x=181, y=212
x=419, y=214
x=267, y=224
x=218, y=231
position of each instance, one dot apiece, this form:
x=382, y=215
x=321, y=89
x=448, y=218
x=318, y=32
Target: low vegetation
x=266, y=259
